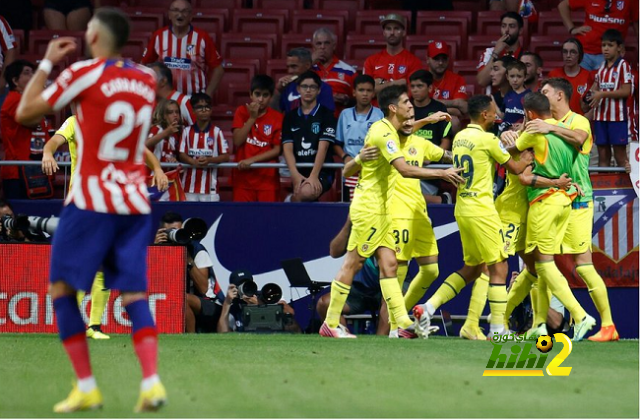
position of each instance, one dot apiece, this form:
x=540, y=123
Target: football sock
x=339, y=294
x=497, y=304
x=99, y=299
x=449, y=289
x=395, y=302
x=80, y=297
x=598, y=292
x=402, y=274
x=427, y=273
x=145, y=336
x=559, y=287
x=71, y=331
x=478, y=301
x=519, y=290
x=540, y=301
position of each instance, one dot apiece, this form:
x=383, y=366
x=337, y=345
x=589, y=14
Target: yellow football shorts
x=481, y=239
x=547, y=223
x=369, y=232
x=577, y=239
x=414, y=238
x=514, y=235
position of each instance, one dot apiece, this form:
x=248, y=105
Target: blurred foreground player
x=114, y=101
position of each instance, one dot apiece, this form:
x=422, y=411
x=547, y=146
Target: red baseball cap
x=436, y=48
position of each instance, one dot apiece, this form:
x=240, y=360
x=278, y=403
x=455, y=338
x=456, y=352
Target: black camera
x=193, y=229
x=271, y=293
x=32, y=226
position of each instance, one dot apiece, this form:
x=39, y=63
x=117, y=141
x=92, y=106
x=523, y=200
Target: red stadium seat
x=135, y=46
x=418, y=44
x=222, y=4
x=145, y=21
x=238, y=72
x=469, y=5
x=39, y=39
x=264, y=21
x=550, y=23
x=222, y=117
x=278, y=4
x=359, y=47
x=307, y=21
x=18, y=35
x=276, y=68
x=248, y=46
x=290, y=41
x=238, y=94
x=443, y=23
x=213, y=21
x=144, y=3
x=385, y=4
x=471, y=90
x=368, y=21
x=352, y=6
x=488, y=23
x=549, y=47
x=467, y=69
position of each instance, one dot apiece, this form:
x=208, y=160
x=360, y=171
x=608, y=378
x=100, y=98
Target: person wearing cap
x=448, y=87
x=394, y=64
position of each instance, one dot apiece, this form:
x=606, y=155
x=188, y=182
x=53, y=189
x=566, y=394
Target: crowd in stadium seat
x=218, y=48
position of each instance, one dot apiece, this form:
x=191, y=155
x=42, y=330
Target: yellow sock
x=541, y=296
x=519, y=290
x=339, y=294
x=80, y=297
x=597, y=290
x=478, y=301
x=559, y=287
x=402, y=274
x=497, y=304
x=99, y=299
x=449, y=289
x=427, y=273
x=395, y=303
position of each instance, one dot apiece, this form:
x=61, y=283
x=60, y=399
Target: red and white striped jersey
x=114, y=102
x=632, y=104
x=195, y=143
x=190, y=58
x=186, y=110
x=7, y=40
x=609, y=79
x=167, y=149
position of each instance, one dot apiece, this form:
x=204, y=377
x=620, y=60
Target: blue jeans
x=592, y=62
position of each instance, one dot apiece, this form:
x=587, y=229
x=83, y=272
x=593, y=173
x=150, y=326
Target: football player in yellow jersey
x=371, y=232
x=99, y=295
x=476, y=151
x=577, y=241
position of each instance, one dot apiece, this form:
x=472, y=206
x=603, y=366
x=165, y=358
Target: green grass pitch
x=252, y=375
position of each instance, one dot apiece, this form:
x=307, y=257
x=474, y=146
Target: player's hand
x=526, y=156
x=160, y=180
x=315, y=184
x=254, y=110
x=161, y=237
x=508, y=138
x=368, y=153
x=436, y=117
x=341, y=98
x=452, y=176
x=580, y=191
x=232, y=293
x=501, y=44
x=580, y=30
x=49, y=164
x=564, y=182
x=244, y=164
x=59, y=48
x=596, y=97
x=537, y=126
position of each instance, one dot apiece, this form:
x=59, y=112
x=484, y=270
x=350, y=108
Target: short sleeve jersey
x=432, y=132
x=512, y=106
x=512, y=204
x=477, y=152
x=190, y=57
x=306, y=132
x=166, y=149
x=581, y=83
x=353, y=127
x=389, y=67
x=7, y=40
x=610, y=79
x=580, y=173
x=290, y=98
x=265, y=135
x=451, y=86
x=377, y=177
x=186, y=110
x=68, y=131
x=195, y=143
x=407, y=199
x=337, y=74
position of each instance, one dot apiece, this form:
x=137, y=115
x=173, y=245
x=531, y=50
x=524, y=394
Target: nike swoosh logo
x=293, y=97
x=379, y=67
x=295, y=129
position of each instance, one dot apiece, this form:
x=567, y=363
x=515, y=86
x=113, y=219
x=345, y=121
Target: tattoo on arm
x=447, y=157
x=534, y=180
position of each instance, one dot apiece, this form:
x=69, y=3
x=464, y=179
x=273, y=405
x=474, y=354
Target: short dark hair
x=537, y=102
x=506, y=60
x=262, y=82
x=14, y=69
x=578, y=45
x=390, y=96
x=363, y=78
x=536, y=57
x=200, y=97
x=613, y=35
x=513, y=15
x=302, y=53
x=310, y=74
x=518, y=65
x=477, y=104
x=171, y=217
x=561, y=84
x=165, y=72
x=117, y=22
x=423, y=76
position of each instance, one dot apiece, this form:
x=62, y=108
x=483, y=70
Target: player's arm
x=354, y=166
x=575, y=137
x=447, y=157
x=518, y=166
x=159, y=178
x=434, y=118
x=32, y=105
x=529, y=179
x=223, y=157
x=409, y=171
x=49, y=164
x=338, y=245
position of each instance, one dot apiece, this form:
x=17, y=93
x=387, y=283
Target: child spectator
x=202, y=144
x=512, y=108
x=257, y=136
x=164, y=136
x=609, y=95
x=353, y=125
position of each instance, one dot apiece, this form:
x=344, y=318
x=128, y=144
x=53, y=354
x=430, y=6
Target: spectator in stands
x=600, y=15
x=333, y=71
x=580, y=78
x=394, y=64
x=421, y=85
x=609, y=95
x=533, y=62
x=257, y=137
x=7, y=51
x=204, y=299
x=353, y=125
x=8, y=235
x=67, y=15
x=189, y=52
x=512, y=111
x=164, y=136
x=448, y=87
x=201, y=144
x=508, y=44
x=308, y=134
x=20, y=142
x=298, y=61
x=165, y=90
x=499, y=82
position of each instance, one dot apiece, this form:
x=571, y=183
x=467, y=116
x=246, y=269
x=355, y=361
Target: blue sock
x=68, y=316
x=140, y=315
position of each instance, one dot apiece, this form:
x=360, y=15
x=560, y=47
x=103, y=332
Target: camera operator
x=16, y=234
x=204, y=298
